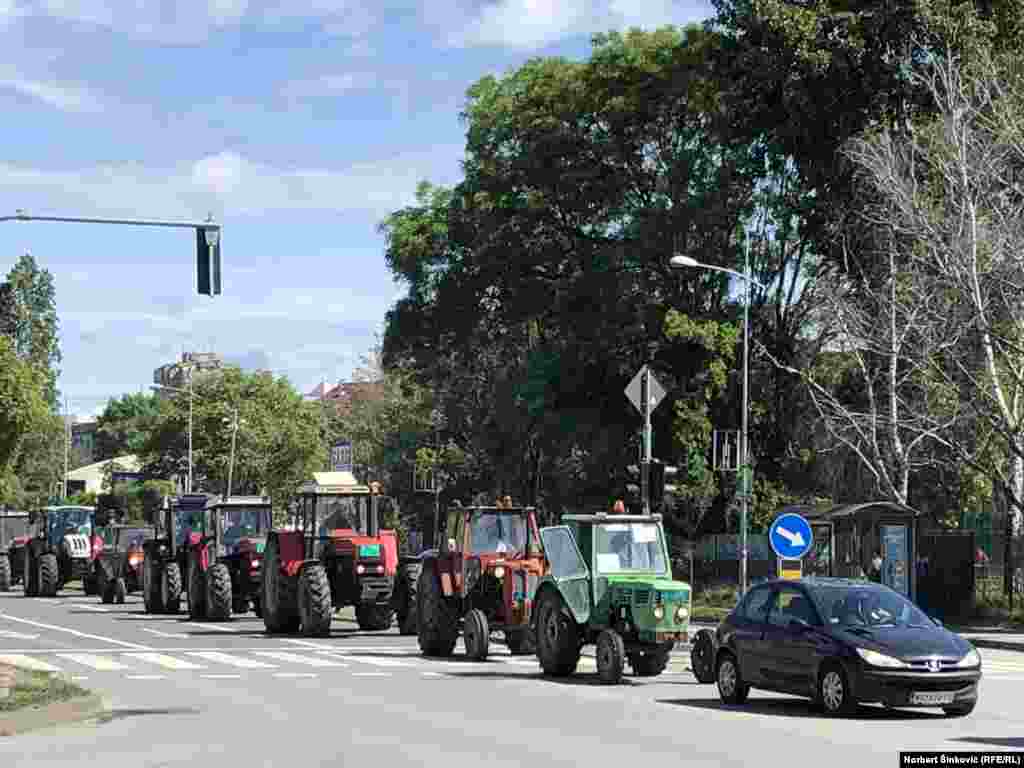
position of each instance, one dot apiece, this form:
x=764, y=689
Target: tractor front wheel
x=650, y=664
x=315, y=609
x=406, y=587
x=476, y=635
x=278, y=600
x=151, y=578
x=611, y=656
x=170, y=588
x=374, y=618
x=436, y=622
x=520, y=642
x=558, y=643
x=30, y=571
x=218, y=593
x=49, y=576
x=5, y=572
x=196, y=590
x=104, y=586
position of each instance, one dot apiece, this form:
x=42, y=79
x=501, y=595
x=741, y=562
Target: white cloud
x=228, y=185
x=67, y=97
x=531, y=24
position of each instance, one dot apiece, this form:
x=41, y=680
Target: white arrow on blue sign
x=790, y=536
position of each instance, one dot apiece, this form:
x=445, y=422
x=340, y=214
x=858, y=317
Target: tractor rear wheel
x=169, y=588
x=105, y=586
x=49, y=576
x=5, y=572
x=436, y=623
x=218, y=593
x=520, y=642
x=406, y=587
x=196, y=590
x=649, y=664
x=279, y=599
x=151, y=577
x=558, y=644
x=374, y=618
x=611, y=656
x=315, y=609
x=476, y=635
x=30, y=573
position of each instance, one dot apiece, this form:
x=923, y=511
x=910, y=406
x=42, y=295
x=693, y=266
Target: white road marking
x=376, y=661
x=205, y=625
x=297, y=659
x=309, y=644
x=88, y=607
x=28, y=662
x=158, y=633
x=221, y=677
x=295, y=674
x=99, y=663
x=79, y=677
x=371, y=674
x=146, y=677
x=75, y=632
x=231, y=661
x=167, y=662
x=432, y=674
x=18, y=636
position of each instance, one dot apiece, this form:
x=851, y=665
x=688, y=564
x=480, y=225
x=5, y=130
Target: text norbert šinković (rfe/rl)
x=917, y=759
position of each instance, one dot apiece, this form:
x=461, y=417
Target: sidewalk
x=1009, y=638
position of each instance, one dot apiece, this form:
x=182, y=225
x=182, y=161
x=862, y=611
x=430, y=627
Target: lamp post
x=234, y=423
x=687, y=262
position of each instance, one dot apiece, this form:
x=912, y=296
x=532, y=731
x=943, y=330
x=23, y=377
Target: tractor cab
x=239, y=526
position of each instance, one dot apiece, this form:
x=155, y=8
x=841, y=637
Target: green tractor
x=609, y=585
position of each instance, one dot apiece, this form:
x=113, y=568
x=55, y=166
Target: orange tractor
x=334, y=555
x=482, y=578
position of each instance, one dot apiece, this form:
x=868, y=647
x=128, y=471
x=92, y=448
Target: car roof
x=825, y=581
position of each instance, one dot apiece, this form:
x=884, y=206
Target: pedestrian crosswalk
x=291, y=662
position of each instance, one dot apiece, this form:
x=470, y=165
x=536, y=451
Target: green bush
x=717, y=597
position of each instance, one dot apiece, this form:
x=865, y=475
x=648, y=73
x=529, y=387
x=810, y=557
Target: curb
x=1002, y=645
x=59, y=713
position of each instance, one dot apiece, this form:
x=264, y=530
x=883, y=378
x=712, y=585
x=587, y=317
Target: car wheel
x=731, y=687
x=960, y=710
x=834, y=694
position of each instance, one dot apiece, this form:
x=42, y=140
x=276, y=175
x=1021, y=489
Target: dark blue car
x=840, y=643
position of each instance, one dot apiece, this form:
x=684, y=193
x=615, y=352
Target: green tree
x=28, y=316
x=124, y=425
x=23, y=411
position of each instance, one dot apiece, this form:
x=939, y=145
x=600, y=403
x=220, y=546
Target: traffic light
x=208, y=260
x=658, y=474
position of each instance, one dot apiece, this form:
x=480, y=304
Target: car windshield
x=866, y=606
x=629, y=547
x=493, y=532
x=244, y=521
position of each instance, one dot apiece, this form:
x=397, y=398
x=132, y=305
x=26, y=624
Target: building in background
x=345, y=393
x=176, y=374
x=83, y=440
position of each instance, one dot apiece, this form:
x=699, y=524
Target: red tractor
x=482, y=578
x=335, y=555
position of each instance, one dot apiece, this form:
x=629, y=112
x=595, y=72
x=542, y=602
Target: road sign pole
x=645, y=464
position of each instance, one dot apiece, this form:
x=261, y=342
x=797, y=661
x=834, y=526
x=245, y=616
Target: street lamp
x=688, y=262
x=234, y=422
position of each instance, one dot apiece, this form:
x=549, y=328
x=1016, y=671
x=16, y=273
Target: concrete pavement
x=183, y=691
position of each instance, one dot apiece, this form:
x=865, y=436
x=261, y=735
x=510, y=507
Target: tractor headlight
x=659, y=612
x=360, y=569
x=681, y=613
x=499, y=572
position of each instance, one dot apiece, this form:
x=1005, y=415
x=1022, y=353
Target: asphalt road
x=183, y=691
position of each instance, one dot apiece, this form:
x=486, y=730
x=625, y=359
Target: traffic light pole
x=207, y=237
x=645, y=461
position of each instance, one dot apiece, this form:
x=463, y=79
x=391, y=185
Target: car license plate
x=931, y=698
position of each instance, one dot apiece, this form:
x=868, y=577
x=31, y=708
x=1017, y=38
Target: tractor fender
x=579, y=613
x=444, y=574
x=291, y=548
x=389, y=543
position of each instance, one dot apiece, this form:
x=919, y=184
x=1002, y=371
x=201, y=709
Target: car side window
x=788, y=604
x=754, y=606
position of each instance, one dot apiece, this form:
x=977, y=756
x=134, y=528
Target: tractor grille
x=628, y=596
x=78, y=545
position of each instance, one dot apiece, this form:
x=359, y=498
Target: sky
x=298, y=125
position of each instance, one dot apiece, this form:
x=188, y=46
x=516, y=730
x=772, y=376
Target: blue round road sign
x=790, y=536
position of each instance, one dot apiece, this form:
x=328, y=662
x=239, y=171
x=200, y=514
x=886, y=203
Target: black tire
x=49, y=576
x=105, y=586
x=279, y=593
x=5, y=572
x=169, y=588
x=196, y=590
x=437, y=624
x=89, y=583
x=611, y=656
x=257, y=607
x=731, y=687
x=406, y=587
x=476, y=635
x=557, y=636
x=315, y=609
x=960, y=710
x=833, y=693
x=152, y=574
x=374, y=618
x=30, y=574
x=649, y=664
x=120, y=591
x=702, y=657
x=520, y=642
x=218, y=593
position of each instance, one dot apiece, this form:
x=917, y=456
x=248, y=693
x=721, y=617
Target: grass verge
x=708, y=613
x=39, y=689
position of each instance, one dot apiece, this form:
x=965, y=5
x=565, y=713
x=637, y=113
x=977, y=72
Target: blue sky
x=299, y=125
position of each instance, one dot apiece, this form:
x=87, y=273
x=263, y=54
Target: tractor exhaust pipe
x=373, y=524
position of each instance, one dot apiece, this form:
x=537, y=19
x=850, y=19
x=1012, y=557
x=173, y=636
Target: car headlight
x=499, y=572
x=659, y=612
x=876, y=659
x=681, y=613
x=972, y=659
